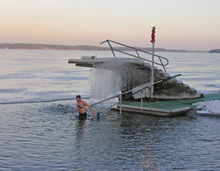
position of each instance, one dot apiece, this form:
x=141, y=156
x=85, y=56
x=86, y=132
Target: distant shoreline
x=30, y=46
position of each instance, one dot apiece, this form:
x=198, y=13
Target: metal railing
x=162, y=60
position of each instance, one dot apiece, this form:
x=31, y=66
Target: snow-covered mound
x=208, y=107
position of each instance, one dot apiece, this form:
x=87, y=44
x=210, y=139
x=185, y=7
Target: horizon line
x=92, y=46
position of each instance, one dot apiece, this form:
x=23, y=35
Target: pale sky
x=180, y=24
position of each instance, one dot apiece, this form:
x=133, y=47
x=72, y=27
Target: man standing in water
x=81, y=107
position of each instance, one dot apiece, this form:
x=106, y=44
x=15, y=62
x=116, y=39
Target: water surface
x=40, y=131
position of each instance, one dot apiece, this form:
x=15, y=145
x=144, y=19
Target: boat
x=146, y=87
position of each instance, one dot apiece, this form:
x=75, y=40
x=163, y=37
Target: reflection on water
x=80, y=129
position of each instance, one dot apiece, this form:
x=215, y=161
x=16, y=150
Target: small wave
x=39, y=101
x=36, y=101
x=213, y=85
x=11, y=90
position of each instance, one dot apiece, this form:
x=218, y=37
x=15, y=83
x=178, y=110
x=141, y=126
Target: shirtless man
x=81, y=107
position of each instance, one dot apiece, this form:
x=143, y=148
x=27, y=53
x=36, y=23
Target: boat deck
x=164, y=108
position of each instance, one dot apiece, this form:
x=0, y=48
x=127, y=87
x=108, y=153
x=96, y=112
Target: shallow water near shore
x=40, y=131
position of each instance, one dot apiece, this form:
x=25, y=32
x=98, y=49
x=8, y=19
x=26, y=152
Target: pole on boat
x=120, y=95
x=152, y=68
x=142, y=94
x=120, y=100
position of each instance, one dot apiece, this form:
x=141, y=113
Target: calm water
x=40, y=131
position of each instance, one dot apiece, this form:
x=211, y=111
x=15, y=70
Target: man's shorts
x=82, y=116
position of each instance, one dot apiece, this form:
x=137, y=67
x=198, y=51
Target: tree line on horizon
x=81, y=47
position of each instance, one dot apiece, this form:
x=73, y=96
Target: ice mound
x=208, y=107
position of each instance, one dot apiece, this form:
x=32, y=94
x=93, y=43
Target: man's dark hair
x=78, y=96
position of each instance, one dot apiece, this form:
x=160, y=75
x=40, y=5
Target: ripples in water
x=49, y=136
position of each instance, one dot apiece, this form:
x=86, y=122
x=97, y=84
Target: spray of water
x=110, y=78
x=105, y=81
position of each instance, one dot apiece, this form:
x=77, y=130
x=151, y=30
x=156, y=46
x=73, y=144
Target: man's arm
x=88, y=106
